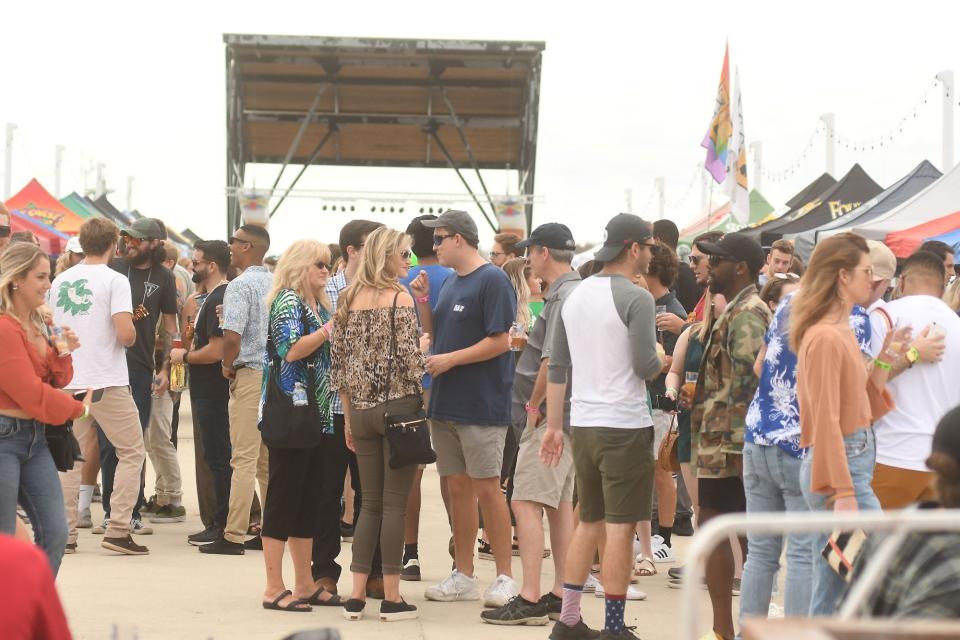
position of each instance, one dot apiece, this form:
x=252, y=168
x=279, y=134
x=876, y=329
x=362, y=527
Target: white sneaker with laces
x=591, y=584
x=137, y=527
x=456, y=586
x=500, y=591
x=632, y=593
x=663, y=554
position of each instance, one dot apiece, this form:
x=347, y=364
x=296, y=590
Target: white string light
x=787, y=173
x=876, y=143
x=674, y=205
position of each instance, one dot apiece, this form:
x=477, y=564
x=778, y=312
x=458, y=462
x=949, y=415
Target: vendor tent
x=80, y=206
x=106, y=208
x=51, y=241
x=922, y=176
x=905, y=242
x=850, y=192
x=36, y=202
x=723, y=220
x=794, y=204
x=939, y=199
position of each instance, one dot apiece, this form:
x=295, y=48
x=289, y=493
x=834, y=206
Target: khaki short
x=534, y=481
x=614, y=473
x=476, y=451
x=898, y=488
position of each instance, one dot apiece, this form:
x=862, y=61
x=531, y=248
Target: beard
x=197, y=278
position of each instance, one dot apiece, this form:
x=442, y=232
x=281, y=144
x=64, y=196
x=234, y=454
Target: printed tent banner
x=921, y=177
x=51, y=241
x=845, y=196
x=35, y=201
x=904, y=243
x=939, y=199
x=808, y=194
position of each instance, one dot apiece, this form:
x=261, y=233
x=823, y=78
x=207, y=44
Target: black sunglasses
x=233, y=239
x=438, y=239
x=716, y=261
x=323, y=265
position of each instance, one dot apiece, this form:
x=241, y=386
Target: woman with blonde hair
x=31, y=401
x=518, y=271
x=839, y=398
x=376, y=358
x=298, y=360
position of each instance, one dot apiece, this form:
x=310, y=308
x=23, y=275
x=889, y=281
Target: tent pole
x=8, y=161
x=949, y=95
x=830, y=120
x=661, y=183
x=757, y=148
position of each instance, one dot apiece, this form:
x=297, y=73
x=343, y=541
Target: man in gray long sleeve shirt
x=607, y=334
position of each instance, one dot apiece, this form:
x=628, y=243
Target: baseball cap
x=884, y=262
x=457, y=221
x=73, y=245
x=623, y=229
x=552, y=235
x=738, y=247
x=145, y=229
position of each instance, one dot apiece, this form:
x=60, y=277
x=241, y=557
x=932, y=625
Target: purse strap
x=393, y=349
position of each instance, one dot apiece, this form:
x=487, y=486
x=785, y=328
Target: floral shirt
x=290, y=319
x=774, y=415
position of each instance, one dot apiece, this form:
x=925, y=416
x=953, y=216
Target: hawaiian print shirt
x=726, y=385
x=774, y=415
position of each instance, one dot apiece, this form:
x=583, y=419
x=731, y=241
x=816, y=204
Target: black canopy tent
x=314, y=100
x=795, y=204
x=844, y=197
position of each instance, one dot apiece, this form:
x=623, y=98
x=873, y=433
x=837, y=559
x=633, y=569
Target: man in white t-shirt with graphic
x=94, y=300
x=923, y=384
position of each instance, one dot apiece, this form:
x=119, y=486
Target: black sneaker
x=223, y=547
x=553, y=603
x=151, y=506
x=393, y=611
x=484, y=550
x=253, y=544
x=579, y=631
x=346, y=532
x=208, y=535
x=625, y=634
x=517, y=611
x=70, y=547
x=411, y=570
x=124, y=545
x=353, y=609
x=683, y=526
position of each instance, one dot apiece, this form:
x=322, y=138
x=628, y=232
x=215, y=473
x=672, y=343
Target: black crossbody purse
x=407, y=434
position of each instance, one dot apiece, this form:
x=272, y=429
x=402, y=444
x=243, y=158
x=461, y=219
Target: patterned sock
x=666, y=533
x=613, y=612
x=410, y=551
x=570, y=609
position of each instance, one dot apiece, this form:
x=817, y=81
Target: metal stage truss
x=377, y=102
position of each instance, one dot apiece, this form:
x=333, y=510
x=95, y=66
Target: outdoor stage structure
x=374, y=102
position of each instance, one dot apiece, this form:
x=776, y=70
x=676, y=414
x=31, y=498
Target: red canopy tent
x=35, y=201
x=904, y=243
x=51, y=241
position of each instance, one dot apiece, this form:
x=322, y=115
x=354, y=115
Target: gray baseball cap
x=144, y=228
x=457, y=221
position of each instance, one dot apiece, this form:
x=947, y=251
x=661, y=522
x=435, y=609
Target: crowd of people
x=620, y=402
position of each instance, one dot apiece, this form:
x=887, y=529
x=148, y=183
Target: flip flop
x=334, y=601
x=296, y=606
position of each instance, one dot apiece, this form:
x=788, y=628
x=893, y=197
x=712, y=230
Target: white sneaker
x=632, y=593
x=84, y=520
x=656, y=540
x=774, y=611
x=663, y=554
x=456, y=586
x=591, y=584
x=137, y=527
x=500, y=591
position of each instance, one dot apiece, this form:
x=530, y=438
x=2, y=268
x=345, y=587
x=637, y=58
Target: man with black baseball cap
x=472, y=370
x=536, y=487
x=725, y=388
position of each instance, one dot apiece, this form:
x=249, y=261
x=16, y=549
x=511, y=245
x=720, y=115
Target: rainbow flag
x=718, y=136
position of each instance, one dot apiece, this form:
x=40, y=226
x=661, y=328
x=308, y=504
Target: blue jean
x=141, y=386
x=771, y=481
x=861, y=450
x=212, y=424
x=29, y=476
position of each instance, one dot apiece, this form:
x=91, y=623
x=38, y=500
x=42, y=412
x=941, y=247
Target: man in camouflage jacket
x=725, y=387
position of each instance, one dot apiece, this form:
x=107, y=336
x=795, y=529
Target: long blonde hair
x=382, y=244
x=17, y=260
x=820, y=292
x=516, y=270
x=293, y=264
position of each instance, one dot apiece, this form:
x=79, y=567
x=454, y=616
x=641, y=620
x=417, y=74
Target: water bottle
x=299, y=395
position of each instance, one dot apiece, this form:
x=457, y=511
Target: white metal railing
x=719, y=529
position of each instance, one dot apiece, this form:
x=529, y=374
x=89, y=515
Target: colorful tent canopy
x=939, y=199
x=922, y=176
x=106, y=208
x=760, y=208
x=953, y=239
x=51, y=241
x=795, y=204
x=850, y=192
x=903, y=243
x=80, y=206
x=36, y=202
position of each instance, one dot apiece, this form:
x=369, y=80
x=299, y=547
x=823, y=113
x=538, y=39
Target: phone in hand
x=665, y=403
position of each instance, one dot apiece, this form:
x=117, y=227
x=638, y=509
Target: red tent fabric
x=36, y=202
x=705, y=223
x=904, y=243
x=51, y=241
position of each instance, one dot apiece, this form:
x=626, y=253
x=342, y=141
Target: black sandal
x=334, y=601
x=296, y=606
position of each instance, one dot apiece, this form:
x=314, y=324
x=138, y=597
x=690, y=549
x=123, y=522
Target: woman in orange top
x=839, y=395
x=30, y=401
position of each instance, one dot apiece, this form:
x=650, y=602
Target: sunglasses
x=197, y=263
x=786, y=276
x=438, y=239
x=716, y=261
x=233, y=239
x=323, y=266
x=4, y=231
x=131, y=240
x=693, y=260
x=406, y=254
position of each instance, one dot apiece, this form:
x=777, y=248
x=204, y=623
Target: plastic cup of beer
x=60, y=341
x=518, y=337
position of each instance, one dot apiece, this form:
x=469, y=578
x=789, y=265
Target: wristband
x=531, y=410
x=674, y=391
x=328, y=328
x=423, y=299
x=877, y=362
x=85, y=414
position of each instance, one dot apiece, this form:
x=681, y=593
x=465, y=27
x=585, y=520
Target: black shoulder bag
x=63, y=446
x=407, y=434
x=284, y=425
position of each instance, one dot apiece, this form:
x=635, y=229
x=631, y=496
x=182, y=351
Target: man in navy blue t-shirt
x=472, y=371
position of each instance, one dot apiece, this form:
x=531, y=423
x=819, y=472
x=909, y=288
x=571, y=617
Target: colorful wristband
x=423, y=299
x=531, y=410
x=886, y=366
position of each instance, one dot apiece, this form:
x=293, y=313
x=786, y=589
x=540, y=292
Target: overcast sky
x=627, y=94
